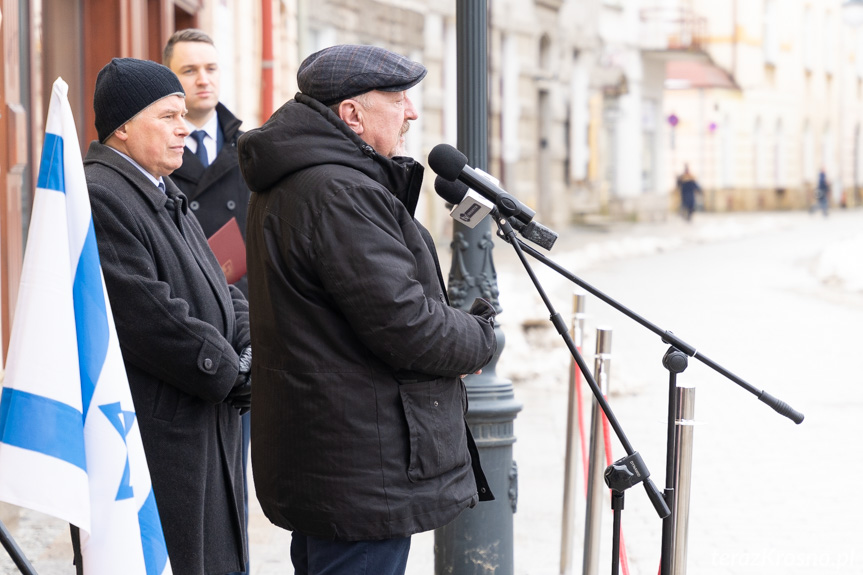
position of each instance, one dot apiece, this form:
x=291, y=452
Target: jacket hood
x=303, y=134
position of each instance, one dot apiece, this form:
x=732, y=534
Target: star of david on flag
x=70, y=445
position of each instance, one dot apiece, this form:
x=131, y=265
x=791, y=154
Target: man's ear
x=352, y=115
x=121, y=133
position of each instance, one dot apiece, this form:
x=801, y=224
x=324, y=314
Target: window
x=770, y=42
x=580, y=120
x=829, y=42
x=758, y=155
x=827, y=149
x=808, y=153
x=511, y=107
x=808, y=40
x=727, y=148
x=779, y=156
x=858, y=53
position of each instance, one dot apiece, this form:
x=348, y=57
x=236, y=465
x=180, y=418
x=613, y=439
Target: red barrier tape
x=581, y=431
x=606, y=432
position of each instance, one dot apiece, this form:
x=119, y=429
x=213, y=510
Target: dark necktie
x=201, y=152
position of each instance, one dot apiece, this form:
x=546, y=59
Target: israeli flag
x=70, y=445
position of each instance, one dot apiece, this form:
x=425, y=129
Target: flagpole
x=15, y=552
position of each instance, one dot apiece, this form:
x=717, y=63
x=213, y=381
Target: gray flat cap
x=348, y=70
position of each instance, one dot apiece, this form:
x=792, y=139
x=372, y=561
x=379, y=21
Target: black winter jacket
x=217, y=193
x=358, y=427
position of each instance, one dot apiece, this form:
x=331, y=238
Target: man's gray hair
x=363, y=99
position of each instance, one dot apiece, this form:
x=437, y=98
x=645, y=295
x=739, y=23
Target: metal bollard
x=682, y=475
x=595, y=483
x=570, y=477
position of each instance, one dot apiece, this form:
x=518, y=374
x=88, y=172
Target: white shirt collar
x=210, y=127
x=150, y=177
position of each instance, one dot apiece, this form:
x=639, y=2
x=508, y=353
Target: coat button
x=194, y=205
x=435, y=403
x=208, y=363
x=231, y=204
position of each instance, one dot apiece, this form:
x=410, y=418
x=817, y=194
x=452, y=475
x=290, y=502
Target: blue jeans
x=316, y=556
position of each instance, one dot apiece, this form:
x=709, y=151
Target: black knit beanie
x=125, y=86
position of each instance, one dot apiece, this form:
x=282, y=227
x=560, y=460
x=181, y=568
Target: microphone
x=469, y=208
x=451, y=165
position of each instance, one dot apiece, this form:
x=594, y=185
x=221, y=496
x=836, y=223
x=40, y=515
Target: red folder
x=228, y=246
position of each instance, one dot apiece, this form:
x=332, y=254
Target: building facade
x=582, y=93
x=779, y=100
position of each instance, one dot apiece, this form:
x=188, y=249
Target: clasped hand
x=240, y=396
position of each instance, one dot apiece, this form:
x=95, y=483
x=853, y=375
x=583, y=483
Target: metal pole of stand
x=15, y=552
x=596, y=466
x=570, y=478
x=684, y=423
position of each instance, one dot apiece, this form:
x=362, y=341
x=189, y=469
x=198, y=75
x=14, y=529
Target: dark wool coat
x=358, y=428
x=217, y=193
x=180, y=327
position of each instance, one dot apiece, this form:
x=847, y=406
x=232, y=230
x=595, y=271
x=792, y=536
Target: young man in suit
x=210, y=175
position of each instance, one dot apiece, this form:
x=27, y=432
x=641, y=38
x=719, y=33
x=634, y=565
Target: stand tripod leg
x=675, y=361
x=617, y=510
x=15, y=552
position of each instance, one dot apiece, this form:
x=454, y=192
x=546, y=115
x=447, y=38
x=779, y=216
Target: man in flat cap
x=183, y=331
x=358, y=433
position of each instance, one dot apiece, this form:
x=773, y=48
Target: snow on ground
x=841, y=264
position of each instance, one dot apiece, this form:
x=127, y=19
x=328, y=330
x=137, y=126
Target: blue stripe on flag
x=51, y=166
x=152, y=538
x=44, y=425
x=91, y=317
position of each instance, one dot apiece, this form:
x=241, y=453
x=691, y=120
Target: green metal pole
x=480, y=540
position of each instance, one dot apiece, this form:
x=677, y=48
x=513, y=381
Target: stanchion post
x=596, y=466
x=570, y=478
x=683, y=438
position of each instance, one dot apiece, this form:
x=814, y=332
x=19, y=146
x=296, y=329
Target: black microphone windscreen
x=453, y=192
x=447, y=161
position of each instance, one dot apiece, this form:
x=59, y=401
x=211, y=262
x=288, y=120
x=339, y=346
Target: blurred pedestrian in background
x=359, y=433
x=688, y=189
x=210, y=175
x=822, y=194
x=183, y=331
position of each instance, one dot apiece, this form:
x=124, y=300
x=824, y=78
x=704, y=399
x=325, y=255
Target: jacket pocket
x=435, y=416
x=165, y=404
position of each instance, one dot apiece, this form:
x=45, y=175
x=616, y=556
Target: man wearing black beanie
x=183, y=331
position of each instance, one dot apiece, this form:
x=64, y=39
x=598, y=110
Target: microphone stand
x=631, y=470
x=780, y=407
x=627, y=471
